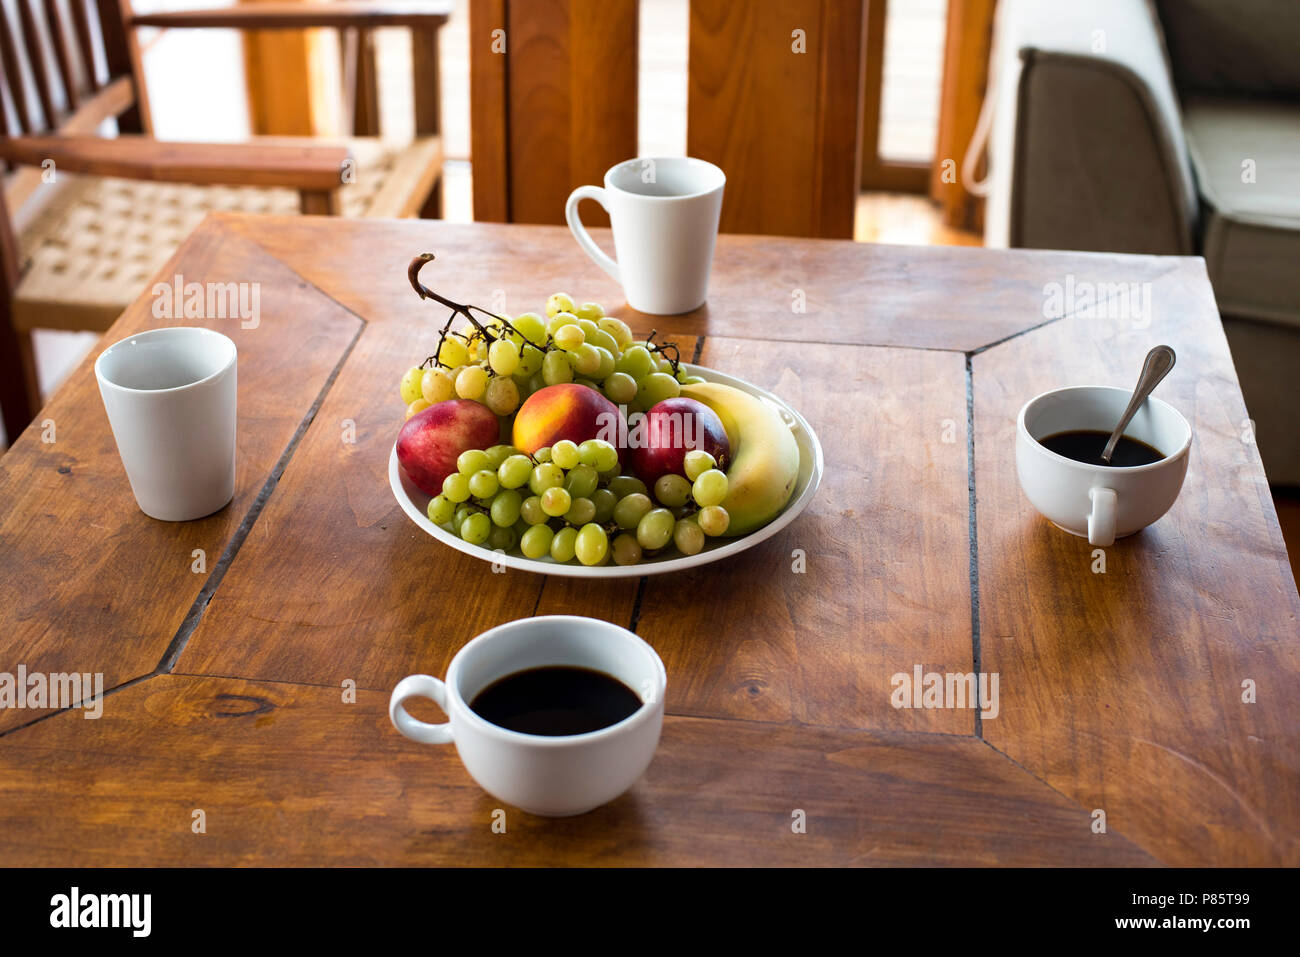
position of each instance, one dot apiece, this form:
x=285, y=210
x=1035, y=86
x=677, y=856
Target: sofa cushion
x=1246, y=154
x=1233, y=46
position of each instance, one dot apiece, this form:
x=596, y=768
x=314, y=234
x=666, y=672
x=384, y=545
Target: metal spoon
x=1157, y=365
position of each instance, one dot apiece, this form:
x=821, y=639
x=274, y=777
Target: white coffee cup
x=1100, y=503
x=550, y=776
x=170, y=398
x=664, y=213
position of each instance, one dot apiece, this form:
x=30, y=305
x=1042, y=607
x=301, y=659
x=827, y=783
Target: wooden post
x=965, y=76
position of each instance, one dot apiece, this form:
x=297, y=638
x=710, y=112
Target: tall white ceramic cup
x=1100, y=503
x=664, y=212
x=550, y=776
x=170, y=398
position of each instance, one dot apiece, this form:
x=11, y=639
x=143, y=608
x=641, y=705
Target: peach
x=432, y=440
x=566, y=411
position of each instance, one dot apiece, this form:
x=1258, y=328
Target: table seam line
x=199, y=606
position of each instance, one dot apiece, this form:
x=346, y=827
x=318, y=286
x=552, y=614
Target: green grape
x=410, y=387
x=713, y=520
x=591, y=545
x=697, y=462
x=471, y=382
x=672, y=490
x=636, y=362
x=556, y=368
x=617, y=328
x=556, y=501
x=688, y=536
x=603, y=340
x=436, y=386
x=569, y=338
x=604, y=500
x=710, y=488
x=484, y=484
x=501, y=395
x=585, y=359
x=624, y=485
x=505, y=507
x=456, y=487
x=564, y=453
x=560, y=320
x=543, y=454
x=589, y=383
x=462, y=512
x=476, y=528
x=419, y=405
x=453, y=352
x=609, y=475
x=691, y=379
x=582, y=511
x=530, y=362
x=631, y=508
x=532, y=327
x=606, y=367
x=664, y=366
x=620, y=388
x=472, y=460
x=546, y=475
x=498, y=454
x=589, y=310
x=537, y=382
x=514, y=471
x=559, y=302
x=504, y=356
x=530, y=510
x=536, y=541
x=502, y=539
x=587, y=326
x=656, y=387
x=562, y=544
x=625, y=550
x=582, y=481
x=441, y=509
x=599, y=454
x=655, y=529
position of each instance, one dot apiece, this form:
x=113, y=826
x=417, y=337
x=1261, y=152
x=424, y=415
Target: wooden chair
x=774, y=94
x=85, y=220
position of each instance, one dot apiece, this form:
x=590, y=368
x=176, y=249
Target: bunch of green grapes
x=571, y=501
x=503, y=361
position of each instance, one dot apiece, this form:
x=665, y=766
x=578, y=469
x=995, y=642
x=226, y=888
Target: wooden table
x=1120, y=692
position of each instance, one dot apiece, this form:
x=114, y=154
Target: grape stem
x=662, y=348
x=457, y=309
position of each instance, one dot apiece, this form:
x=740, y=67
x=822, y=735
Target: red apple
x=671, y=429
x=567, y=411
x=432, y=440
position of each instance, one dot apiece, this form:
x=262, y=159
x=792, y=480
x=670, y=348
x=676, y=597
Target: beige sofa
x=1168, y=127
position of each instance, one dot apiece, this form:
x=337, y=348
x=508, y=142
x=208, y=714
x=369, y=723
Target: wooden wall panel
x=556, y=110
x=783, y=124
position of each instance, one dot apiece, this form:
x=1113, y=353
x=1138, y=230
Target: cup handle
x=419, y=686
x=1101, y=520
x=580, y=231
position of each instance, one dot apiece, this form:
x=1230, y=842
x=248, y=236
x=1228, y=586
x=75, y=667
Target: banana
x=764, y=455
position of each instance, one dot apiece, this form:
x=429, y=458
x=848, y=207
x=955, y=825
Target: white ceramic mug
x=551, y=776
x=1101, y=503
x=170, y=398
x=664, y=214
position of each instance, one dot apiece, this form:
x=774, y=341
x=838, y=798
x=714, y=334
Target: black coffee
x=556, y=700
x=1086, y=445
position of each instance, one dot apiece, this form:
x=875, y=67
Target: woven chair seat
x=96, y=247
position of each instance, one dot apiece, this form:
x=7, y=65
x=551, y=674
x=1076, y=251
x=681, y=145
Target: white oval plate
x=414, y=503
